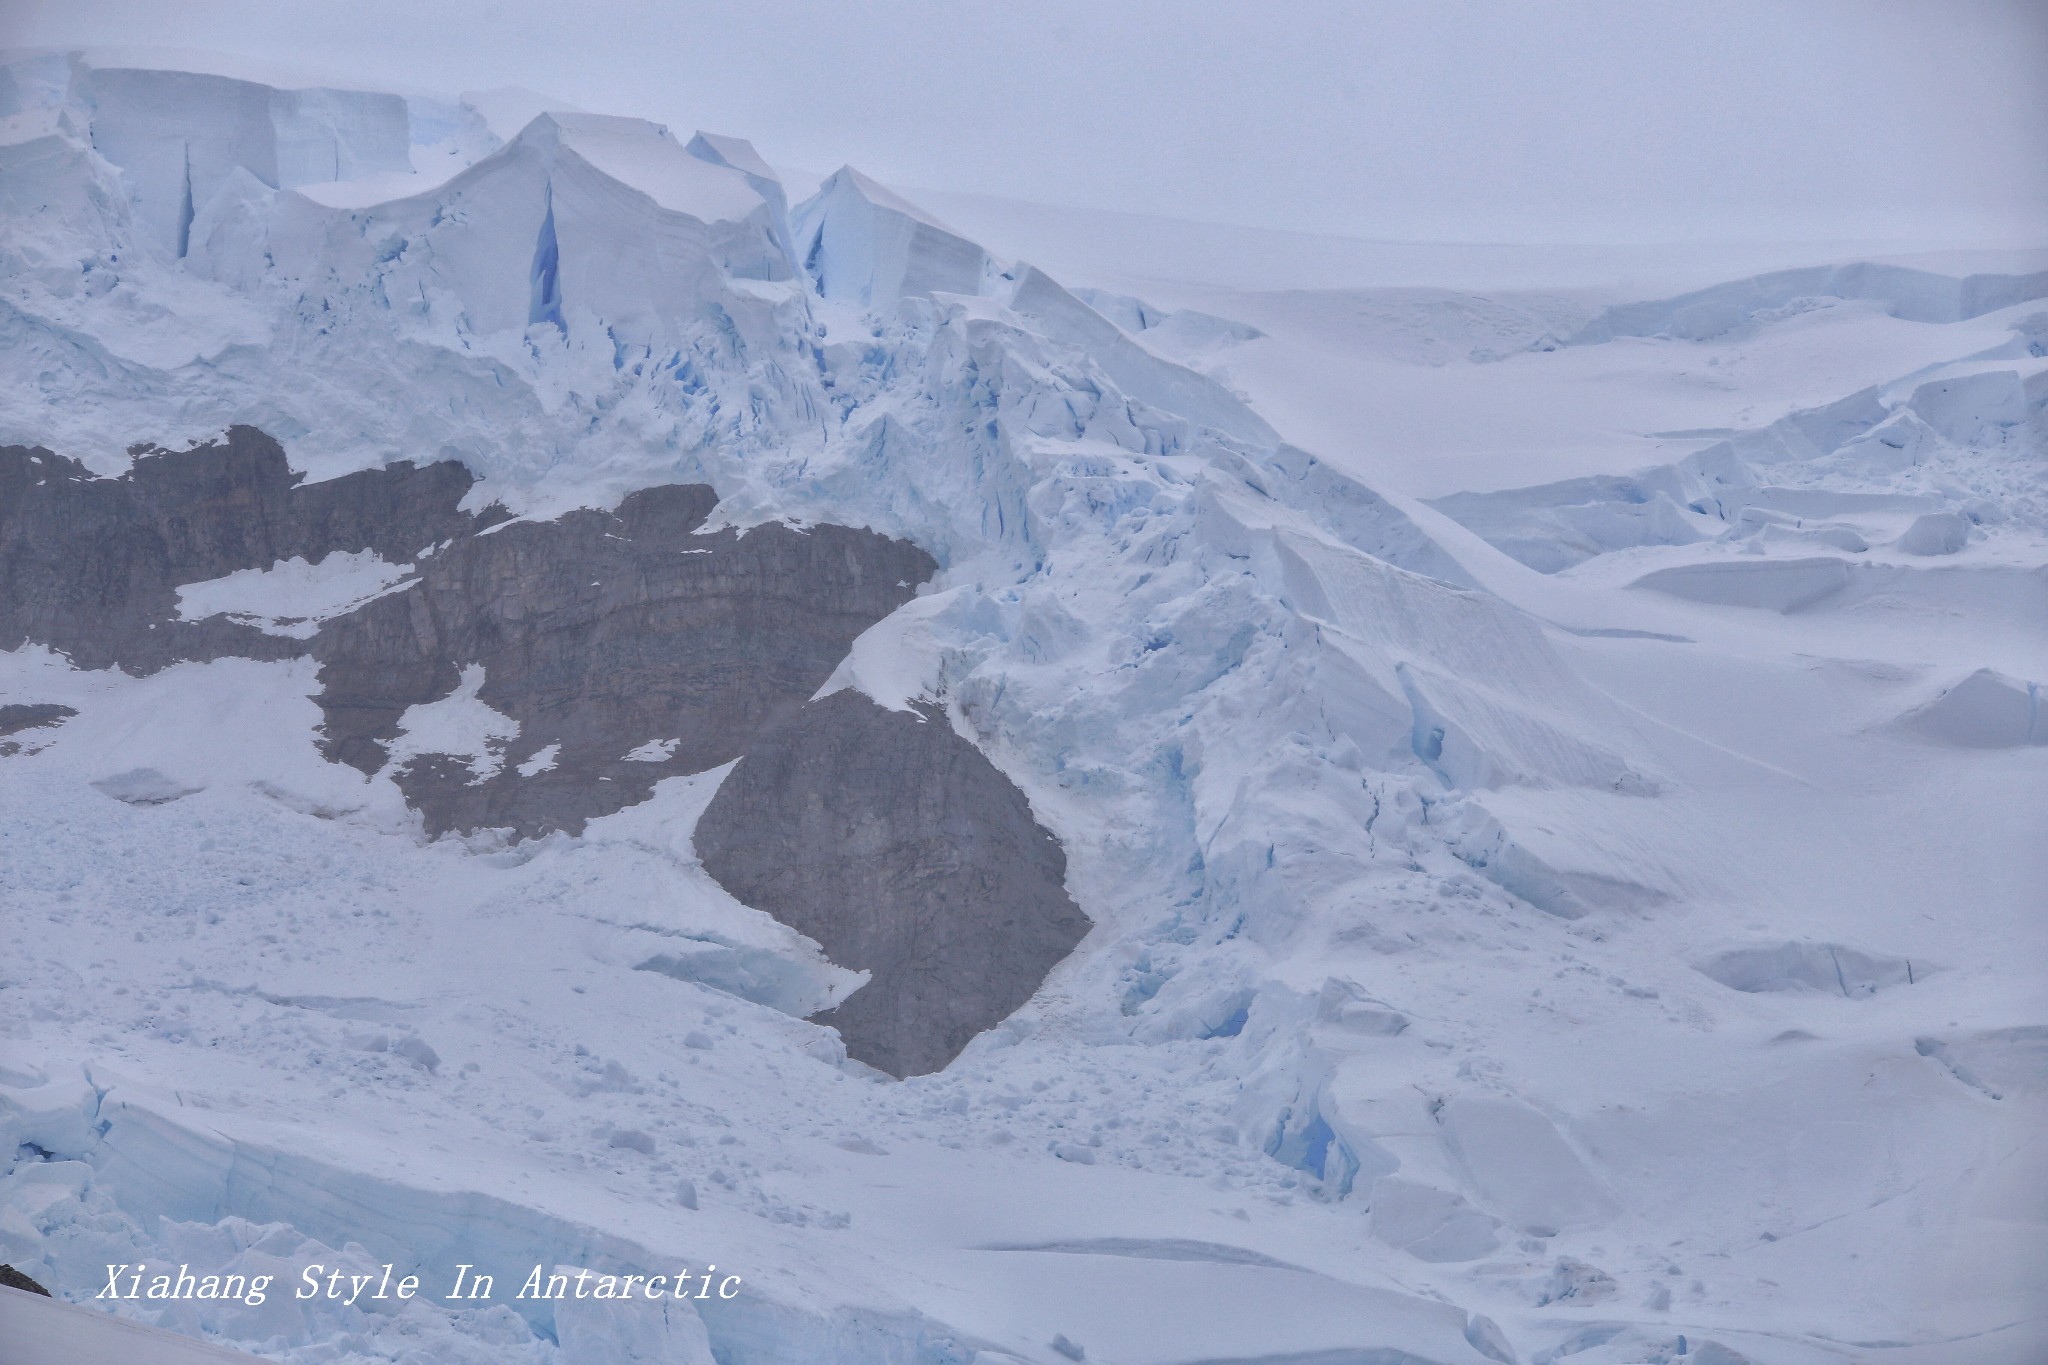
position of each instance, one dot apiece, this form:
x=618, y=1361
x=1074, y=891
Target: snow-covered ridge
x=1915, y=295
x=1919, y=468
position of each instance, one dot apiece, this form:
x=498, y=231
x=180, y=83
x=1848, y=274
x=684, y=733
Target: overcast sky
x=1585, y=120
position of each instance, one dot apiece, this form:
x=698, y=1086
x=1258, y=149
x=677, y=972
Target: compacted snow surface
x=1558, y=782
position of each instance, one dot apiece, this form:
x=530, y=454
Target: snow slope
x=1527, y=927
x=37, y=1328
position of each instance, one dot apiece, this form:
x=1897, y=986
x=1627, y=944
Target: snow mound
x=1428, y=1223
x=1520, y=1165
x=1424, y=326
x=1999, y=1062
x=1781, y=585
x=1975, y=407
x=1830, y=968
x=1913, y=295
x=1554, y=526
x=1936, y=533
x=1841, y=588
x=1986, y=710
x=145, y=787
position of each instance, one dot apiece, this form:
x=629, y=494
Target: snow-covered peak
x=647, y=157
x=881, y=196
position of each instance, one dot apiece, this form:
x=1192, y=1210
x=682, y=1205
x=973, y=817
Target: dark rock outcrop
x=34, y=715
x=903, y=851
x=14, y=1279
x=91, y=565
x=599, y=633
x=882, y=834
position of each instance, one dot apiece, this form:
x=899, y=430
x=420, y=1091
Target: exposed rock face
x=903, y=851
x=604, y=651
x=29, y=716
x=14, y=1279
x=599, y=633
x=90, y=565
x=34, y=715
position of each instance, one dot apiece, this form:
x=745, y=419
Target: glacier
x=1575, y=919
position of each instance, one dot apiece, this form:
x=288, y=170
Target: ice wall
x=864, y=245
x=177, y=138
